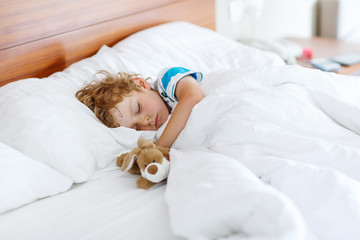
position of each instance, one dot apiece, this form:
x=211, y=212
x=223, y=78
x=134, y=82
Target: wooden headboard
x=40, y=37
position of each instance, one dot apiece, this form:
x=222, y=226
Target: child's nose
x=146, y=123
x=146, y=120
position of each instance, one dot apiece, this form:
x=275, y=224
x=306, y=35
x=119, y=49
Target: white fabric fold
x=214, y=196
x=297, y=129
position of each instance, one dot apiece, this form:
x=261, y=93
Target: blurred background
x=272, y=19
x=314, y=33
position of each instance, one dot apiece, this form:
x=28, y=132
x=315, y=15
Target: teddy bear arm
x=143, y=183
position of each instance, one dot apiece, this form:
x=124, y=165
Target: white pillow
x=43, y=119
x=190, y=46
x=23, y=180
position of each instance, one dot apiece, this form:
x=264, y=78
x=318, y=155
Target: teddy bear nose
x=152, y=169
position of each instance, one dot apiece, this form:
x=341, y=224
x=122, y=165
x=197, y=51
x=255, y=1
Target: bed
x=271, y=152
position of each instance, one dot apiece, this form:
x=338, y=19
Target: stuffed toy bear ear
x=127, y=161
x=144, y=143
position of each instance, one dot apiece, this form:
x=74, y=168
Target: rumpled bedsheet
x=271, y=153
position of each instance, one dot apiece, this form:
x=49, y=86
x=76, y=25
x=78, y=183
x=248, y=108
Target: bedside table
x=327, y=48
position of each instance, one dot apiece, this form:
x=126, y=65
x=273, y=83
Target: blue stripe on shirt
x=170, y=73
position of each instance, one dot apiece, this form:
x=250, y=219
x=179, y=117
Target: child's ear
x=142, y=83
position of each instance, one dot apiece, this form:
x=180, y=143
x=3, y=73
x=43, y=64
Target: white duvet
x=270, y=153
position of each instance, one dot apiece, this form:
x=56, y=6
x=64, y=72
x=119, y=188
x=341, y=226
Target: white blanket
x=297, y=130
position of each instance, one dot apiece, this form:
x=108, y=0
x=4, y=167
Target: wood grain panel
x=46, y=56
x=23, y=21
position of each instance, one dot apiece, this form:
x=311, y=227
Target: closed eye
x=139, y=108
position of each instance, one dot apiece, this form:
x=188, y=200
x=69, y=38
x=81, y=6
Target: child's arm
x=189, y=94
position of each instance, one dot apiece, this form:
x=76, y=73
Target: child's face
x=142, y=110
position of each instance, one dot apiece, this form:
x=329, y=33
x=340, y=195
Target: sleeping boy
x=128, y=100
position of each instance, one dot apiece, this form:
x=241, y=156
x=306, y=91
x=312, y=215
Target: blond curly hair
x=103, y=94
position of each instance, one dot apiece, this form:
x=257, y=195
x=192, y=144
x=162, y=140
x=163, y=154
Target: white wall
x=265, y=19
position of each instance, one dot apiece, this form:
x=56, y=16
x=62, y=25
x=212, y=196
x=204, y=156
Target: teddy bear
x=148, y=160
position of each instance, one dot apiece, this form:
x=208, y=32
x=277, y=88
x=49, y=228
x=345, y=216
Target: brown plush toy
x=148, y=160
